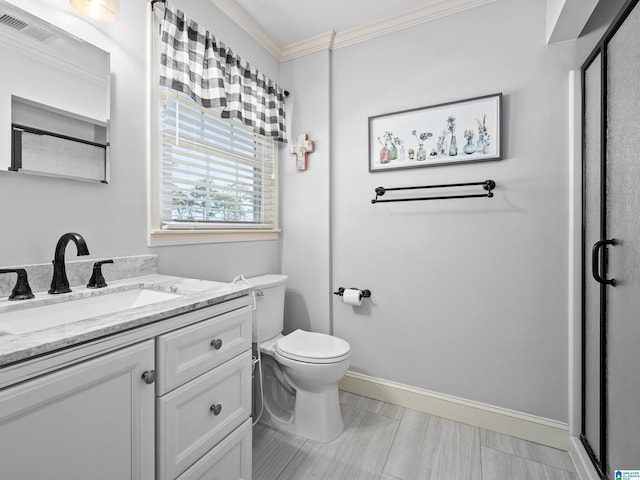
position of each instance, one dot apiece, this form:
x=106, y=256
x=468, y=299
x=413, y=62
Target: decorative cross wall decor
x=301, y=149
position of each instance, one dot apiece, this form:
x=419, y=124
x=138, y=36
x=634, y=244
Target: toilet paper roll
x=352, y=296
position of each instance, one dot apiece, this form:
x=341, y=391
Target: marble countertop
x=195, y=294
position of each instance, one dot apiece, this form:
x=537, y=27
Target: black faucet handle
x=101, y=262
x=22, y=290
x=97, y=279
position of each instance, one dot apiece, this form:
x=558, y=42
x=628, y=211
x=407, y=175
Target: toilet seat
x=313, y=347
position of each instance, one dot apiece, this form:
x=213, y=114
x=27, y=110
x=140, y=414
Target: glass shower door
x=623, y=224
x=611, y=248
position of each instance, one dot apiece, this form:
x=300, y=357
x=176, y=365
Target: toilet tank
x=269, y=315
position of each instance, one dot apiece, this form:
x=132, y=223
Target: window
x=213, y=179
x=215, y=172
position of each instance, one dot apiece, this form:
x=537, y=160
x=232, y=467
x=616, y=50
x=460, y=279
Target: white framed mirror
x=54, y=100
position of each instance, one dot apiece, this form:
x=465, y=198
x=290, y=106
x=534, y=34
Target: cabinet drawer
x=189, y=422
x=229, y=460
x=186, y=353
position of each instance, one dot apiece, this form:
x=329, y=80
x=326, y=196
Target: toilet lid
x=313, y=347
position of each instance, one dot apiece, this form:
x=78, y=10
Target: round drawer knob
x=149, y=377
x=216, y=408
x=216, y=343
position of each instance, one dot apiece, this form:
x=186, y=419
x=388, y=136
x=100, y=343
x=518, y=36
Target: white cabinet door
x=91, y=420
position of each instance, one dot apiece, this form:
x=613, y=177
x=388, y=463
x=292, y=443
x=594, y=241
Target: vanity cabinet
x=166, y=401
x=94, y=419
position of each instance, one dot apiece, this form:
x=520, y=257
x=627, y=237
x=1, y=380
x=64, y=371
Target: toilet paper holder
x=363, y=293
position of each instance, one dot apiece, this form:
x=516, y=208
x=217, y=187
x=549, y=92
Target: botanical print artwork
x=457, y=132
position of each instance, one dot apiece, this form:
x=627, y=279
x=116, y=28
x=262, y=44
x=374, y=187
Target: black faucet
x=97, y=279
x=59, y=282
x=22, y=290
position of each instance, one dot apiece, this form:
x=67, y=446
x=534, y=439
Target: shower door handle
x=595, y=261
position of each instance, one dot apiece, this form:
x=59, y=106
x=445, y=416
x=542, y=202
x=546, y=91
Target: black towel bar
x=488, y=185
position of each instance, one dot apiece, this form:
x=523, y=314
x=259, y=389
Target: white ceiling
x=292, y=21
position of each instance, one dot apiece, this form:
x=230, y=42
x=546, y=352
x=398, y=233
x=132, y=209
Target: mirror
x=54, y=98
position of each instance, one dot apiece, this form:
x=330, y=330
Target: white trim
x=218, y=226
x=332, y=40
x=575, y=254
x=159, y=238
x=153, y=121
x=581, y=460
x=510, y=422
x=319, y=43
x=405, y=20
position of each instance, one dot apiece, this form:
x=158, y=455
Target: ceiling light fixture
x=105, y=10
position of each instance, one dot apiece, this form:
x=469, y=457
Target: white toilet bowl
x=313, y=364
x=300, y=371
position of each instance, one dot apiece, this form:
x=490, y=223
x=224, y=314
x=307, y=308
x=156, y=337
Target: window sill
x=159, y=238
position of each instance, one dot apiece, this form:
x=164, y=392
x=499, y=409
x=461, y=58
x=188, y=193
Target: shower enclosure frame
x=598, y=256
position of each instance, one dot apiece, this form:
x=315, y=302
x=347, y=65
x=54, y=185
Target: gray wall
x=469, y=296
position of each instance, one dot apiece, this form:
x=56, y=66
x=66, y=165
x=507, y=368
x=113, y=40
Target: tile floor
x=385, y=442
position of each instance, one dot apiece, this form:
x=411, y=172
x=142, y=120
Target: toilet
x=300, y=371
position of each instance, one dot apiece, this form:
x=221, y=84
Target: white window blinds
x=215, y=173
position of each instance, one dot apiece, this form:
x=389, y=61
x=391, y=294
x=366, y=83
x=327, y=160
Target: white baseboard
x=581, y=460
x=516, y=424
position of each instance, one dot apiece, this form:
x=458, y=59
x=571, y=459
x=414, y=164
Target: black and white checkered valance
x=194, y=62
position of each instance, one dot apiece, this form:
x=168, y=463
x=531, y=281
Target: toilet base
x=317, y=416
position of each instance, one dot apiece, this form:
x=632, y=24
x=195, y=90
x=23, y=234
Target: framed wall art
x=456, y=132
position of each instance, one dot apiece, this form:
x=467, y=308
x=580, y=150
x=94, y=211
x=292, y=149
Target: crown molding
x=241, y=17
x=321, y=42
x=333, y=40
x=404, y=20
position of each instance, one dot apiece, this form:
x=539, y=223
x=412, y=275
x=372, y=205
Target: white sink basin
x=31, y=319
